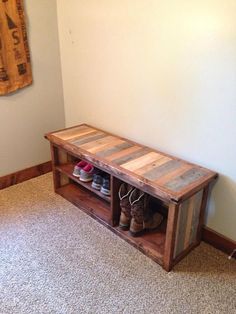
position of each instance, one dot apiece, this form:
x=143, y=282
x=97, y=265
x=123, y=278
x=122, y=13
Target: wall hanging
x=15, y=68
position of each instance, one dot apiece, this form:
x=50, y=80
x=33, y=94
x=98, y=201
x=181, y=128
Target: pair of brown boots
x=136, y=216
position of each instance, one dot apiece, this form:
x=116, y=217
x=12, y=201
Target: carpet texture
x=56, y=259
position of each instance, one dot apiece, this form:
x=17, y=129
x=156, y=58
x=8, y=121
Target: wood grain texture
x=161, y=175
x=138, y=163
x=115, y=149
x=122, y=153
x=115, y=201
x=187, y=223
x=75, y=133
x=24, y=175
x=150, y=166
x=88, y=138
x=173, y=214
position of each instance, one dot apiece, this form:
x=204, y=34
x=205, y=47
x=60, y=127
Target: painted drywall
x=28, y=114
x=162, y=73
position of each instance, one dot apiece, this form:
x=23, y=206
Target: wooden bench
x=182, y=187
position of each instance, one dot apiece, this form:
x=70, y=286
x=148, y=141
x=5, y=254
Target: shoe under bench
x=179, y=188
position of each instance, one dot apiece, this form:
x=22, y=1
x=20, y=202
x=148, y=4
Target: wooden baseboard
x=219, y=241
x=26, y=174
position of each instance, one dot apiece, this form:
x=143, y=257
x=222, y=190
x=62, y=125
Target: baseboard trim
x=219, y=241
x=25, y=174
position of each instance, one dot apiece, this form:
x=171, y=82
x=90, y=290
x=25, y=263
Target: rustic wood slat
x=205, y=194
x=97, y=143
x=109, y=144
x=74, y=132
x=153, y=165
x=182, y=221
x=185, y=179
x=140, y=162
x=88, y=138
x=196, y=217
x=189, y=221
x=118, y=148
x=173, y=174
x=132, y=156
x=162, y=170
x=122, y=153
x=84, y=136
x=172, y=221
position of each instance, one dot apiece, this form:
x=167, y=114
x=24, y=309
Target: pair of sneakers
x=84, y=171
x=101, y=182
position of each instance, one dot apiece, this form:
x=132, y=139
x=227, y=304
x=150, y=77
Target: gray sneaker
x=80, y=165
x=86, y=174
x=105, y=189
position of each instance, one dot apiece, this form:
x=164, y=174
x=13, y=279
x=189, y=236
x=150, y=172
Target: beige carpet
x=56, y=259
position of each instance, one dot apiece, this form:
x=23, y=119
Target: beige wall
x=26, y=115
x=162, y=73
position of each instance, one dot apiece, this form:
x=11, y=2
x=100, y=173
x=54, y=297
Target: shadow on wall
x=222, y=197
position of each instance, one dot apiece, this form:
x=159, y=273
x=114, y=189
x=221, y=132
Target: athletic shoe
x=80, y=165
x=97, y=181
x=105, y=189
x=86, y=174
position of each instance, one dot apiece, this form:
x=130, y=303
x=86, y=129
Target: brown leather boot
x=152, y=220
x=138, y=201
x=143, y=218
x=125, y=215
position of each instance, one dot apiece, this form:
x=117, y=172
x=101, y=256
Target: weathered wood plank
x=187, y=225
x=173, y=174
x=173, y=214
x=89, y=138
x=83, y=136
x=123, y=153
x=181, y=229
x=196, y=217
x=110, y=143
x=158, y=162
x=140, y=162
x=185, y=179
x=132, y=156
x=74, y=132
x=162, y=170
x=189, y=221
x=97, y=143
x=117, y=148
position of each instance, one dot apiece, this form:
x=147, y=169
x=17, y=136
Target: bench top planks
x=162, y=175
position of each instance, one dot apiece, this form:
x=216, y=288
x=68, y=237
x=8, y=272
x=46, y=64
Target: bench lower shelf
x=152, y=244
x=87, y=201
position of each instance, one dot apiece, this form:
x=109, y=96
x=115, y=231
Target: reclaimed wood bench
x=180, y=186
